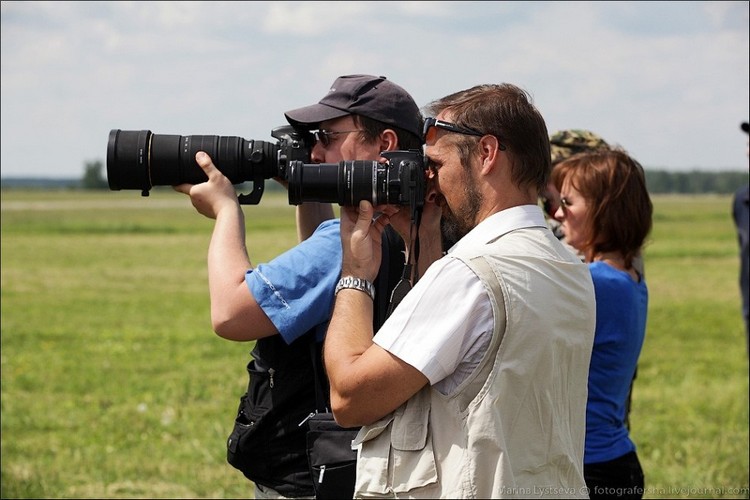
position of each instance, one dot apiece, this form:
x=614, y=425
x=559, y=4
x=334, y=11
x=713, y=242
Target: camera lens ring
x=374, y=184
x=148, y=183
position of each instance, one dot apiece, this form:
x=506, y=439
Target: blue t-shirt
x=296, y=289
x=621, y=307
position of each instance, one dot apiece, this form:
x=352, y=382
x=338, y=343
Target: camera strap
x=401, y=289
x=405, y=283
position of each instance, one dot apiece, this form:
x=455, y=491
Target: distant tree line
x=657, y=181
x=695, y=182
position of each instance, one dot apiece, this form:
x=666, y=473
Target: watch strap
x=357, y=284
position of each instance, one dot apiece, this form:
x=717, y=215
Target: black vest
x=269, y=437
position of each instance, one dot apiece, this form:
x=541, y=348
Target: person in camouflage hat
x=566, y=143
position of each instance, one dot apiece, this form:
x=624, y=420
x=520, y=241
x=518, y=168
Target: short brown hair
x=505, y=111
x=614, y=185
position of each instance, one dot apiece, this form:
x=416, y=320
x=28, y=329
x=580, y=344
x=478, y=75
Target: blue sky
x=668, y=81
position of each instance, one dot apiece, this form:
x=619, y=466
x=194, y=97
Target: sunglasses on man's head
x=431, y=125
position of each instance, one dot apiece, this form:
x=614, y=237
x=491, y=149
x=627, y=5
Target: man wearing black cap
x=285, y=304
x=364, y=104
x=741, y=216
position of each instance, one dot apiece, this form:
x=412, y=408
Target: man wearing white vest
x=476, y=385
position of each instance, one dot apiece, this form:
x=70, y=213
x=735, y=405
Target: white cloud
x=667, y=80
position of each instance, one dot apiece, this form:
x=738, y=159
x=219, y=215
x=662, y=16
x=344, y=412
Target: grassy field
x=114, y=385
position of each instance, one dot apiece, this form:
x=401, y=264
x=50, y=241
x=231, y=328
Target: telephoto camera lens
x=141, y=159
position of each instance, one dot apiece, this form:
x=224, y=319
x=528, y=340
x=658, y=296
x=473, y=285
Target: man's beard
x=456, y=225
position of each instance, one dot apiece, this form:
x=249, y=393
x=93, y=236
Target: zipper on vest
x=322, y=471
x=271, y=371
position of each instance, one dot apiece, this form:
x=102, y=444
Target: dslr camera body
x=141, y=159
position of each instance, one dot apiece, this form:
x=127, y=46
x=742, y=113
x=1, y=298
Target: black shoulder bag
x=333, y=462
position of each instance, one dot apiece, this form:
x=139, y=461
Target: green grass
x=690, y=415
x=114, y=385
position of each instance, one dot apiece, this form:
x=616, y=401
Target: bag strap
x=320, y=391
x=389, y=274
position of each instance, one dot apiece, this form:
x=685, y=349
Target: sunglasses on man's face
x=431, y=126
x=325, y=137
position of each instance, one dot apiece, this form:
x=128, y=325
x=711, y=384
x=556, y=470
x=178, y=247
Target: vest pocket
x=396, y=455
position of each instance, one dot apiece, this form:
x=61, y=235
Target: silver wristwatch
x=356, y=283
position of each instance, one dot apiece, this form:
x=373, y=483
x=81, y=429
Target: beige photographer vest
x=515, y=428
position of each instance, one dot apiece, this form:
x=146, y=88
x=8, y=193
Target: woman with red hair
x=606, y=215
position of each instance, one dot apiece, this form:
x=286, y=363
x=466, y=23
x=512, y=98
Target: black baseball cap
x=372, y=96
x=745, y=127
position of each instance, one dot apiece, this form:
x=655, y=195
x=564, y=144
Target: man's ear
x=489, y=150
x=388, y=140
